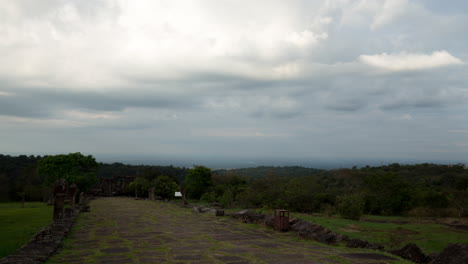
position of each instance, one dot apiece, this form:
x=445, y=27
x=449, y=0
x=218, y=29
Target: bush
x=208, y=197
x=430, y=212
x=227, y=199
x=351, y=206
x=327, y=209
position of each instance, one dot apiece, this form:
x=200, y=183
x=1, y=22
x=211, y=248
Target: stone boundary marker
x=453, y=254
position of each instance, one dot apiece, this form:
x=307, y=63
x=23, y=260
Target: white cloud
x=410, y=61
x=72, y=48
x=406, y=117
x=389, y=11
x=305, y=38
x=181, y=72
x=5, y=93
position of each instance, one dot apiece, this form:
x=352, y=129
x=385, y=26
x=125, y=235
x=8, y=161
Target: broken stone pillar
x=60, y=191
x=151, y=193
x=81, y=201
x=182, y=190
x=72, y=190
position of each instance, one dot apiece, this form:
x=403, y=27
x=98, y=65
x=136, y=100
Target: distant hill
x=264, y=171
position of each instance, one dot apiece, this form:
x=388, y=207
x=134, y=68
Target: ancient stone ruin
x=112, y=186
x=60, y=191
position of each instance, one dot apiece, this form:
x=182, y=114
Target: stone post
x=151, y=193
x=81, y=201
x=72, y=190
x=182, y=190
x=59, y=200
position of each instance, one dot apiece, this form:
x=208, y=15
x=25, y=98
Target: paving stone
x=229, y=258
x=136, y=231
x=115, y=250
x=187, y=257
x=237, y=250
x=367, y=256
x=152, y=260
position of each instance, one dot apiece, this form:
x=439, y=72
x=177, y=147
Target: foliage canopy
x=74, y=168
x=198, y=181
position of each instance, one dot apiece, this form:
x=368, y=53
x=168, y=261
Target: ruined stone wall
x=112, y=186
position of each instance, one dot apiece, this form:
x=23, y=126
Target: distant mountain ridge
x=264, y=171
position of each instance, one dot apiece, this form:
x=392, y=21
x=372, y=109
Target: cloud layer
x=295, y=79
x=409, y=62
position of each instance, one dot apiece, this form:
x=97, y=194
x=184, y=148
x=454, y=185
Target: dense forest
x=20, y=176
x=418, y=190
x=120, y=169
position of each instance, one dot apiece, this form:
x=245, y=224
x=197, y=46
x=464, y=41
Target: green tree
x=197, y=182
x=351, y=206
x=165, y=187
x=74, y=168
x=227, y=198
x=387, y=193
x=140, y=186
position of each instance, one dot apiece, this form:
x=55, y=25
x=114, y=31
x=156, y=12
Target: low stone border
x=46, y=242
x=453, y=254
x=208, y=210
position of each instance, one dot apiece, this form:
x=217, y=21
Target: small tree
x=227, y=198
x=140, y=185
x=208, y=197
x=351, y=206
x=198, y=181
x=165, y=187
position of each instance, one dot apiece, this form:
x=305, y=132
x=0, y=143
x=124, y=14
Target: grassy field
x=393, y=232
x=18, y=225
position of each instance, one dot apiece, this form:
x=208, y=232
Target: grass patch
x=18, y=225
x=393, y=232
x=429, y=237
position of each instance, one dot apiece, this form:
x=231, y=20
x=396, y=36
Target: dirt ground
x=124, y=230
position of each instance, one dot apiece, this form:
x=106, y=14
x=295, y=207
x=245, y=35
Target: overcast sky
x=264, y=79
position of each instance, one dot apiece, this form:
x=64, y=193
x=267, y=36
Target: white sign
x=178, y=194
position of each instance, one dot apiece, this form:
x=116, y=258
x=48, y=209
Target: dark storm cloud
x=417, y=103
x=346, y=106
x=45, y=103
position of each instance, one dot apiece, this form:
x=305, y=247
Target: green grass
x=425, y=233
x=18, y=225
x=429, y=237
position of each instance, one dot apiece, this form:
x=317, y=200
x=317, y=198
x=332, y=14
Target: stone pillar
x=182, y=190
x=72, y=190
x=151, y=193
x=81, y=201
x=60, y=192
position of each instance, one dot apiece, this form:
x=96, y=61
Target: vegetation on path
x=124, y=230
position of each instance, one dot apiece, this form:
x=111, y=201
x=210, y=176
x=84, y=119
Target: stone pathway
x=124, y=230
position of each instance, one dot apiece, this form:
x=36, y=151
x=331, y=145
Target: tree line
x=419, y=190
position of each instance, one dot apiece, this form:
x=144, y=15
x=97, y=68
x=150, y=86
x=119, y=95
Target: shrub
x=351, y=206
x=227, y=198
x=208, y=197
x=327, y=209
